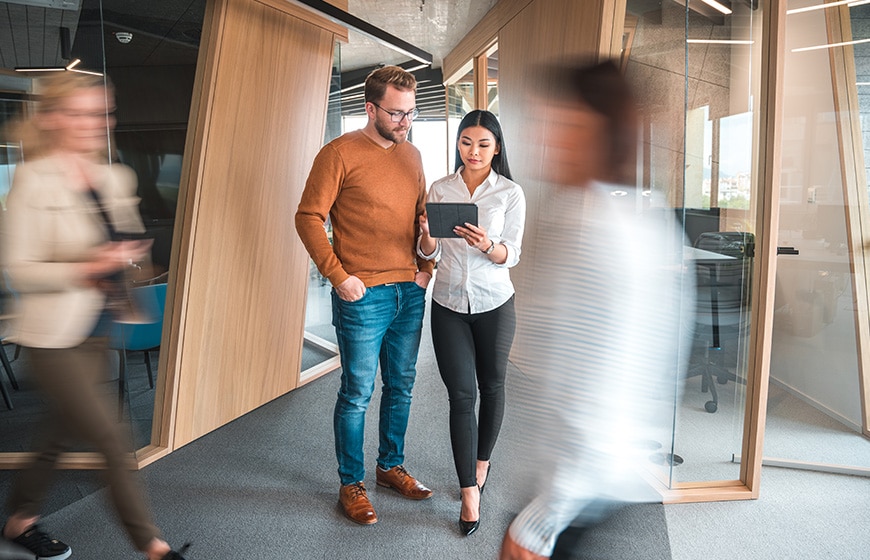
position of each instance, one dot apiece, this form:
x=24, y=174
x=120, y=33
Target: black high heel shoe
x=468, y=527
x=488, y=468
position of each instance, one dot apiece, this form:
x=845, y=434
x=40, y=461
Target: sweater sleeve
x=321, y=190
x=423, y=264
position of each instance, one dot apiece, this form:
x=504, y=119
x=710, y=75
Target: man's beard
x=390, y=134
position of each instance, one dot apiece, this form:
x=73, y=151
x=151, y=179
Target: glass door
x=816, y=413
x=696, y=67
x=148, y=52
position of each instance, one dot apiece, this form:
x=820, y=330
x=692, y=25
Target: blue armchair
x=139, y=336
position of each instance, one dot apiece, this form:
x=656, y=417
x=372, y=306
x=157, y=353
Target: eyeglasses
x=88, y=115
x=399, y=116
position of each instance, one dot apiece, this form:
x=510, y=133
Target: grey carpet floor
x=265, y=486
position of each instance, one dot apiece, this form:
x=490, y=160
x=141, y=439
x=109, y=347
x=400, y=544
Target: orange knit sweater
x=373, y=197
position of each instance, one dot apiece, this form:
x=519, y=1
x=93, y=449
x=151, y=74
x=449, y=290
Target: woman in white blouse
x=473, y=318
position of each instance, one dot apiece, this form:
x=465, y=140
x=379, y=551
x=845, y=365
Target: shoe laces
x=357, y=489
x=402, y=472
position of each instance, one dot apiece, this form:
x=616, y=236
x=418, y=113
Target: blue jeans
x=384, y=326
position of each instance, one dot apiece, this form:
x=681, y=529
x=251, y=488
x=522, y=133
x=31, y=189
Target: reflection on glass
x=814, y=405
x=492, y=81
x=460, y=100
x=153, y=76
x=696, y=166
x=319, y=348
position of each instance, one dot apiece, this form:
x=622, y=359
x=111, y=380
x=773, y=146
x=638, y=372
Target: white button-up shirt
x=465, y=279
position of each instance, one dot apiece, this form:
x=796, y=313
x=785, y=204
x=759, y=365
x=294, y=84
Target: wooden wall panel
x=243, y=283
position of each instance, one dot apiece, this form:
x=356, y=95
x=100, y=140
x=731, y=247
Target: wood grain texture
x=768, y=167
x=304, y=13
x=259, y=125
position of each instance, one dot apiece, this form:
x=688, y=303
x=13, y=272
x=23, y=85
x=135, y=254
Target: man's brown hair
x=378, y=80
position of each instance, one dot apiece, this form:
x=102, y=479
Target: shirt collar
x=490, y=179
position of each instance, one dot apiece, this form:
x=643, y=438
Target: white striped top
x=598, y=343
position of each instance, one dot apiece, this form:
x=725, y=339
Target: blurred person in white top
x=599, y=347
x=473, y=316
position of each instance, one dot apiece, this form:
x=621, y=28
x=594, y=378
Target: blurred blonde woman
x=69, y=215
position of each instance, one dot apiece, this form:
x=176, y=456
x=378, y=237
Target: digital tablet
x=444, y=216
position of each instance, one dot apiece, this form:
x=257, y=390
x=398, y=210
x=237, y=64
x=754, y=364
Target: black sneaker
x=172, y=555
x=45, y=547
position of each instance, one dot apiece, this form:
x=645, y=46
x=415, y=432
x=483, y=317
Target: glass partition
x=815, y=411
x=320, y=347
x=696, y=71
x=460, y=100
x=492, y=80
x=148, y=51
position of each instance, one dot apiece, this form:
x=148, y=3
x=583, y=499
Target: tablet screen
x=444, y=216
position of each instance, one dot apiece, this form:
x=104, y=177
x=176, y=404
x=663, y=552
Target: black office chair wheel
x=711, y=406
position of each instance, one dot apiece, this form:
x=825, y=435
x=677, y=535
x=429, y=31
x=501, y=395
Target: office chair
x=7, y=295
x=139, y=336
x=722, y=307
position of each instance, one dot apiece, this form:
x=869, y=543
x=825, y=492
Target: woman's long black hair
x=488, y=121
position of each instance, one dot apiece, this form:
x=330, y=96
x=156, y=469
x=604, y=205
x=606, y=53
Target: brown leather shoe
x=403, y=482
x=356, y=504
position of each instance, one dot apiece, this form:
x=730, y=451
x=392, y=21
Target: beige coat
x=48, y=228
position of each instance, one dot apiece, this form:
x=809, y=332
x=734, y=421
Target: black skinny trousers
x=472, y=353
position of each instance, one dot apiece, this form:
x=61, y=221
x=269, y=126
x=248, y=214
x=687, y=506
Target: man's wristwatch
x=491, y=247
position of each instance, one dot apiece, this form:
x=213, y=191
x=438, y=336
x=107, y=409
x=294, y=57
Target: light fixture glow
x=58, y=69
x=71, y=67
x=850, y=3
x=717, y=6
x=86, y=72
x=831, y=45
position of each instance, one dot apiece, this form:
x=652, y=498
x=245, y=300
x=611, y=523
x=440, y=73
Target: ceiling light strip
x=45, y=69
x=831, y=45
x=851, y=3
x=719, y=7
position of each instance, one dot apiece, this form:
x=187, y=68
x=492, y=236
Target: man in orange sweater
x=370, y=185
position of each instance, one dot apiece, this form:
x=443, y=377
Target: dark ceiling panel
x=165, y=32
